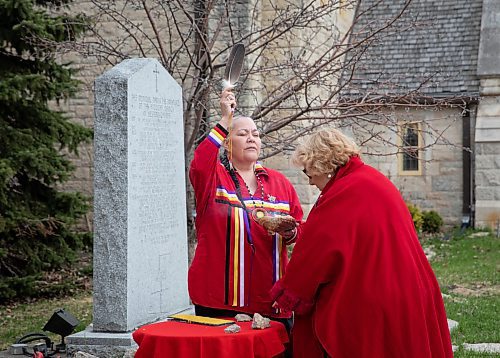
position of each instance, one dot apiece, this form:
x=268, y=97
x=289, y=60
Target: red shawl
x=358, y=280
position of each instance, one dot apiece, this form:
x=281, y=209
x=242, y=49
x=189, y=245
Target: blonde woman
x=358, y=279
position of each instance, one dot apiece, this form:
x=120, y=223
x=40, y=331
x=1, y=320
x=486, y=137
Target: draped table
x=180, y=339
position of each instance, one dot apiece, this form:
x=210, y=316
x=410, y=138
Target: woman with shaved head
x=237, y=261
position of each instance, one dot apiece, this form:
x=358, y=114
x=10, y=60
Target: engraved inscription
x=153, y=147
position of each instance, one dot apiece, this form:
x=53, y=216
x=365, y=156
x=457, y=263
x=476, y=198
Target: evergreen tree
x=36, y=218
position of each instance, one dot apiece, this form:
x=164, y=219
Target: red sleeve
x=295, y=207
x=315, y=252
x=297, y=213
x=203, y=169
x=294, y=238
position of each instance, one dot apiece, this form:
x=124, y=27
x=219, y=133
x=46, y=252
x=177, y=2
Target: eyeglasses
x=305, y=172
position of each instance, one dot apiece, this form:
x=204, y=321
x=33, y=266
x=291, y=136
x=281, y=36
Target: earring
x=329, y=176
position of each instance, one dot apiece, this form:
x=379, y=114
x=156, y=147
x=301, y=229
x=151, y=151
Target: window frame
x=418, y=147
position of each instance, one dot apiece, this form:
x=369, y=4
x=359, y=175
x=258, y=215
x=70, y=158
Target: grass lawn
x=20, y=319
x=467, y=269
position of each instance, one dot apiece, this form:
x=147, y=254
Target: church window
x=410, y=153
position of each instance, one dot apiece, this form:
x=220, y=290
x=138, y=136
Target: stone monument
x=140, y=243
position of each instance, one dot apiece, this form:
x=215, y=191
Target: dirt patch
x=475, y=290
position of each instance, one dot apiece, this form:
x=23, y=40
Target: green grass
x=477, y=318
x=20, y=319
x=465, y=261
x=467, y=269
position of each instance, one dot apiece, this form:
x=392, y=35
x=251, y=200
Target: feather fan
x=234, y=65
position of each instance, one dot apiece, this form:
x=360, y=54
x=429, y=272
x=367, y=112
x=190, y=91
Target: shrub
x=431, y=221
x=416, y=215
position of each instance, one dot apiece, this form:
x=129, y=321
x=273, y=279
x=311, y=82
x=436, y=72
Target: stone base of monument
x=105, y=344
x=101, y=344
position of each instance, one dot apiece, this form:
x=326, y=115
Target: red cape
x=358, y=280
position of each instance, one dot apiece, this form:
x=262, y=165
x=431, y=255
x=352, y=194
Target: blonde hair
x=325, y=151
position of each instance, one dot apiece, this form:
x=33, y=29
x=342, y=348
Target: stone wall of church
x=439, y=185
x=488, y=120
x=487, y=156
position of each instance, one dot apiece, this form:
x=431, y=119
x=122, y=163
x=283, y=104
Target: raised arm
x=203, y=168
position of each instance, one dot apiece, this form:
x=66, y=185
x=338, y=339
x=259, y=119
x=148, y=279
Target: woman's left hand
x=289, y=234
x=287, y=301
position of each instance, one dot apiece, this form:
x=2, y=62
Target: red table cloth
x=179, y=339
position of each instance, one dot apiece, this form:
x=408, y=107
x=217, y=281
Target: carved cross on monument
x=156, y=72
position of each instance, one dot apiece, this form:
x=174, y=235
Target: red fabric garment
x=305, y=342
x=178, y=339
x=236, y=261
x=359, y=260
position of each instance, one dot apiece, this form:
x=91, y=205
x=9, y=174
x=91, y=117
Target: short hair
x=236, y=118
x=325, y=151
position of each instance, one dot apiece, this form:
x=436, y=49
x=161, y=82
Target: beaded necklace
x=257, y=212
